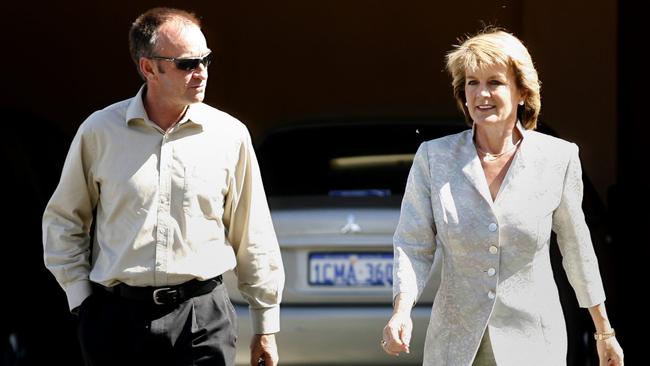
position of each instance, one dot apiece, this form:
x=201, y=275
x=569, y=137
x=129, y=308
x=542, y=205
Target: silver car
x=335, y=192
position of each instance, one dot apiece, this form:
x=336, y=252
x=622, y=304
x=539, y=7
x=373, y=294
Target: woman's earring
x=465, y=104
x=521, y=102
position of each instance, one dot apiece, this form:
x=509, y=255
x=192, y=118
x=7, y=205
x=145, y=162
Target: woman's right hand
x=396, y=336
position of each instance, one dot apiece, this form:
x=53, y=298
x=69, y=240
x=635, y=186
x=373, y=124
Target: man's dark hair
x=144, y=31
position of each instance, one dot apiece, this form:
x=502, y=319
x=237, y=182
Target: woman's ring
x=383, y=343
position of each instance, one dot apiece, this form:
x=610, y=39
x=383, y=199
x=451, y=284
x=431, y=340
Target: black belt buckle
x=165, y=295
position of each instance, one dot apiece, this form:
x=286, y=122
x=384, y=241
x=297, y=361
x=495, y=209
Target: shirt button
x=492, y=227
x=493, y=249
x=491, y=295
x=491, y=272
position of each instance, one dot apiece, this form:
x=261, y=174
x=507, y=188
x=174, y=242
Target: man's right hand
x=264, y=350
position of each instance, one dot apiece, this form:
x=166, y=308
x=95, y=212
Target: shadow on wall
x=36, y=327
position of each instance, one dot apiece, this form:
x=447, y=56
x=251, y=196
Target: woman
x=488, y=198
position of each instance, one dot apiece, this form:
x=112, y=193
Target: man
x=175, y=193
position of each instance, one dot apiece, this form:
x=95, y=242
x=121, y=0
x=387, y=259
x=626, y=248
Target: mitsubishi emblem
x=350, y=227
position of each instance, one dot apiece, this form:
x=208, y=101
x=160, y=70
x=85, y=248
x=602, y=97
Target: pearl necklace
x=492, y=157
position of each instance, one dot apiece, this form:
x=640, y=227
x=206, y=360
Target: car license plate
x=351, y=269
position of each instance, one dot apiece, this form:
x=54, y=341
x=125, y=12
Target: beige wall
x=290, y=60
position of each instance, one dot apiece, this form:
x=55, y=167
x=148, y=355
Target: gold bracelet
x=604, y=335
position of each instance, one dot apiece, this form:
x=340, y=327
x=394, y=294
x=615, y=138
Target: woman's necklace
x=492, y=157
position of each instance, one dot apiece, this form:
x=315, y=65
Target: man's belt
x=166, y=295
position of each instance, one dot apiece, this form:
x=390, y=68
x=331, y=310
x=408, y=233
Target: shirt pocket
x=204, y=189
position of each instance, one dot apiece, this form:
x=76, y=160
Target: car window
x=370, y=159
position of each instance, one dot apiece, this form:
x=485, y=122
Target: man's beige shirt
x=170, y=207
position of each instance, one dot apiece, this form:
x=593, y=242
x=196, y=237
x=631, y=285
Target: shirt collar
x=137, y=112
x=192, y=114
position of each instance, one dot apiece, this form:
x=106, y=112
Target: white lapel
x=473, y=171
x=517, y=166
x=471, y=167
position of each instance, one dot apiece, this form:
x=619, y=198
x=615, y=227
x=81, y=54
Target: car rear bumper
x=335, y=335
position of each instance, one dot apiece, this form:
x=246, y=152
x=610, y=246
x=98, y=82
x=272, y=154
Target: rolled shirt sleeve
x=250, y=232
x=67, y=220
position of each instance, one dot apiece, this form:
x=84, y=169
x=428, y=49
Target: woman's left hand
x=397, y=333
x=610, y=352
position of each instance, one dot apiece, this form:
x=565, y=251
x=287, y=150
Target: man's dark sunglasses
x=187, y=63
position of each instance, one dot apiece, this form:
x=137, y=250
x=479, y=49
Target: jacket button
x=491, y=295
x=492, y=227
x=491, y=272
x=493, y=249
